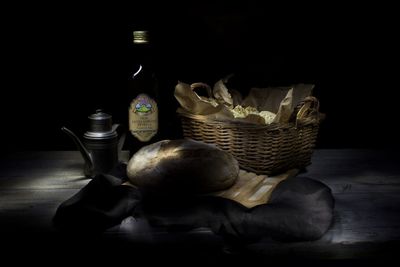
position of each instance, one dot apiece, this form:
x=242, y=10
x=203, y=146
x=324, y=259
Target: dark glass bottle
x=143, y=95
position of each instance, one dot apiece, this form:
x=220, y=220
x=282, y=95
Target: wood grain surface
x=365, y=184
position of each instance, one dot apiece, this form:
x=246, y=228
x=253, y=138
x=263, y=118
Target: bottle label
x=143, y=117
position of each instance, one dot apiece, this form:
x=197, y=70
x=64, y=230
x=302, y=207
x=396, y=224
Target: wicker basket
x=263, y=149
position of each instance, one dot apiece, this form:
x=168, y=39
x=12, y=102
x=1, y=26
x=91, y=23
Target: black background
x=62, y=65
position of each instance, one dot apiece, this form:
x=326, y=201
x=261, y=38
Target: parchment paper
x=218, y=106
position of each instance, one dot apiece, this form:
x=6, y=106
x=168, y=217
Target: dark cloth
x=101, y=204
x=299, y=209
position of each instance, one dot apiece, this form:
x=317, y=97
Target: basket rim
x=243, y=125
x=305, y=113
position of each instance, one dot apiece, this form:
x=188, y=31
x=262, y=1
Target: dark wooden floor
x=365, y=183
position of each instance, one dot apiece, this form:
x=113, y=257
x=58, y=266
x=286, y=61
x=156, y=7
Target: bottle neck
x=142, y=54
x=140, y=57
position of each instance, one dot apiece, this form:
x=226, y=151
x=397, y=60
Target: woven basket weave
x=263, y=149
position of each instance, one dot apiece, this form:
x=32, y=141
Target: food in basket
x=241, y=112
x=261, y=106
x=183, y=165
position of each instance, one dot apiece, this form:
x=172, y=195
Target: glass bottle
x=143, y=95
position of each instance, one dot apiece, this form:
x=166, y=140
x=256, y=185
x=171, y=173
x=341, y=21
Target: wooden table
x=365, y=183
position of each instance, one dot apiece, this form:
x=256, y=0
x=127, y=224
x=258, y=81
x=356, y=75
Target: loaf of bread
x=183, y=165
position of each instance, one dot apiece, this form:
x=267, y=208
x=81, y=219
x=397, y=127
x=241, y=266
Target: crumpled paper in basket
x=220, y=104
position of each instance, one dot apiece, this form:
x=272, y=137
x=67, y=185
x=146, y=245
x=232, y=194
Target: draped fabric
x=299, y=209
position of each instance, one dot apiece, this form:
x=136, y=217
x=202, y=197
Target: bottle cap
x=140, y=37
